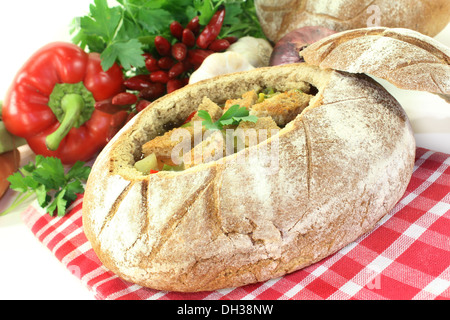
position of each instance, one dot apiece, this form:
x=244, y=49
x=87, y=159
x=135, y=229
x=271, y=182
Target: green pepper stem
x=72, y=104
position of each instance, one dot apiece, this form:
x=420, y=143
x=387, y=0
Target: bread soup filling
x=215, y=131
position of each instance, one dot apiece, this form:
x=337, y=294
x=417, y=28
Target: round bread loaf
x=331, y=174
x=279, y=17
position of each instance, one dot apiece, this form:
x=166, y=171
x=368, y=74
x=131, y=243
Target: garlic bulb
x=218, y=64
x=257, y=51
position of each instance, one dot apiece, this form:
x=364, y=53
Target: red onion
x=287, y=49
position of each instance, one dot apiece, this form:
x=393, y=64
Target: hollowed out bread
x=324, y=180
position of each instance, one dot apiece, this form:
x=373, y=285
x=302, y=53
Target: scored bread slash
x=405, y=58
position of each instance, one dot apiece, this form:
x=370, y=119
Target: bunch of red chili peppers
x=66, y=106
x=169, y=68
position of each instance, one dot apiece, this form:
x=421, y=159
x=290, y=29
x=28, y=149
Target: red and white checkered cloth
x=407, y=255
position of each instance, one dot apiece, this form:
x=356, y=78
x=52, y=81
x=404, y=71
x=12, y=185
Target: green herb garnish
x=233, y=116
x=46, y=178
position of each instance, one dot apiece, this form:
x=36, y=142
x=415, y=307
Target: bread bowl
x=279, y=17
x=338, y=167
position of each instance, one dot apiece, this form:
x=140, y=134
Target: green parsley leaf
x=102, y=21
x=127, y=53
x=234, y=111
x=233, y=116
x=42, y=197
x=46, y=178
x=19, y=182
x=154, y=20
x=49, y=173
x=208, y=123
x=206, y=9
x=78, y=170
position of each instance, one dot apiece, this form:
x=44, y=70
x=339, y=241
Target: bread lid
x=406, y=58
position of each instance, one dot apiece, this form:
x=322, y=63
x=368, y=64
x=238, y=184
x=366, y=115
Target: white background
x=27, y=269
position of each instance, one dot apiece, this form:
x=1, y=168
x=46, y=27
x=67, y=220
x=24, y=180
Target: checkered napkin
x=407, y=255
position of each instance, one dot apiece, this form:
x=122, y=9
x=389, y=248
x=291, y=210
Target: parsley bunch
x=233, y=116
x=46, y=178
x=122, y=33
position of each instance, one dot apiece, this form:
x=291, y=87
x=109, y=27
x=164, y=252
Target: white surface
x=28, y=270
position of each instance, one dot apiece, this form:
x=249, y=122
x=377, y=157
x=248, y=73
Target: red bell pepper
x=51, y=103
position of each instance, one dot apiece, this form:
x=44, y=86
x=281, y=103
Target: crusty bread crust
x=405, y=58
x=278, y=17
x=342, y=165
